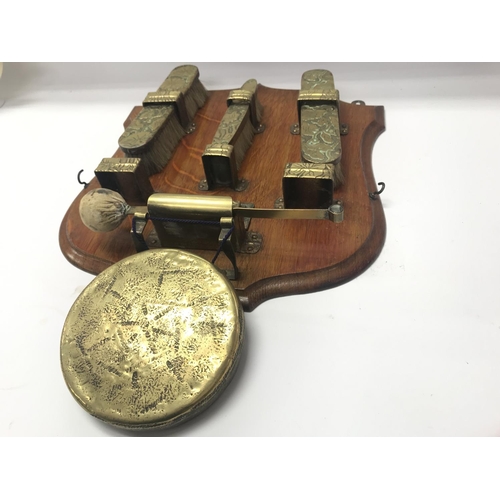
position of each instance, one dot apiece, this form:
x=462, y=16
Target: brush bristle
x=244, y=140
x=160, y=150
x=158, y=154
x=195, y=98
x=338, y=175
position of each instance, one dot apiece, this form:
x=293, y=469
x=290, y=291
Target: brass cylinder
x=179, y=206
x=196, y=211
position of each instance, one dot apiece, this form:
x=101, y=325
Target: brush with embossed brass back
x=166, y=116
x=153, y=135
x=223, y=157
x=311, y=183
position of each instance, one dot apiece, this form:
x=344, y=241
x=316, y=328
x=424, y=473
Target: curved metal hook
x=85, y=184
x=373, y=195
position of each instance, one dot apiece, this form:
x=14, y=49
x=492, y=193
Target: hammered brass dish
x=153, y=340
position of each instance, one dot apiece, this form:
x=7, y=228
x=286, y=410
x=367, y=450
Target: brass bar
x=281, y=213
x=228, y=246
x=334, y=213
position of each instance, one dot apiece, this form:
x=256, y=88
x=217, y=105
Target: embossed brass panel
x=154, y=134
x=152, y=340
x=127, y=176
x=320, y=134
x=318, y=106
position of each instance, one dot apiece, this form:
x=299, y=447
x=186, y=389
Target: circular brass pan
x=152, y=340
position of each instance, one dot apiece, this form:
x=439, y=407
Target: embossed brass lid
x=152, y=340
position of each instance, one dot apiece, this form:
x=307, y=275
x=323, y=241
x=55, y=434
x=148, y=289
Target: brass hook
x=85, y=184
x=373, y=195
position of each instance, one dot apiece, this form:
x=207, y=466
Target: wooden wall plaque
x=297, y=256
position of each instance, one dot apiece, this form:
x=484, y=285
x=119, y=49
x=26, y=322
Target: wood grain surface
x=296, y=256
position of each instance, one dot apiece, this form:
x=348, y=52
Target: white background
x=410, y=348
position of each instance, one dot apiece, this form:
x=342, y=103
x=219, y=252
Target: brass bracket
x=139, y=221
x=241, y=185
x=252, y=243
x=336, y=211
x=227, y=246
x=279, y=203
